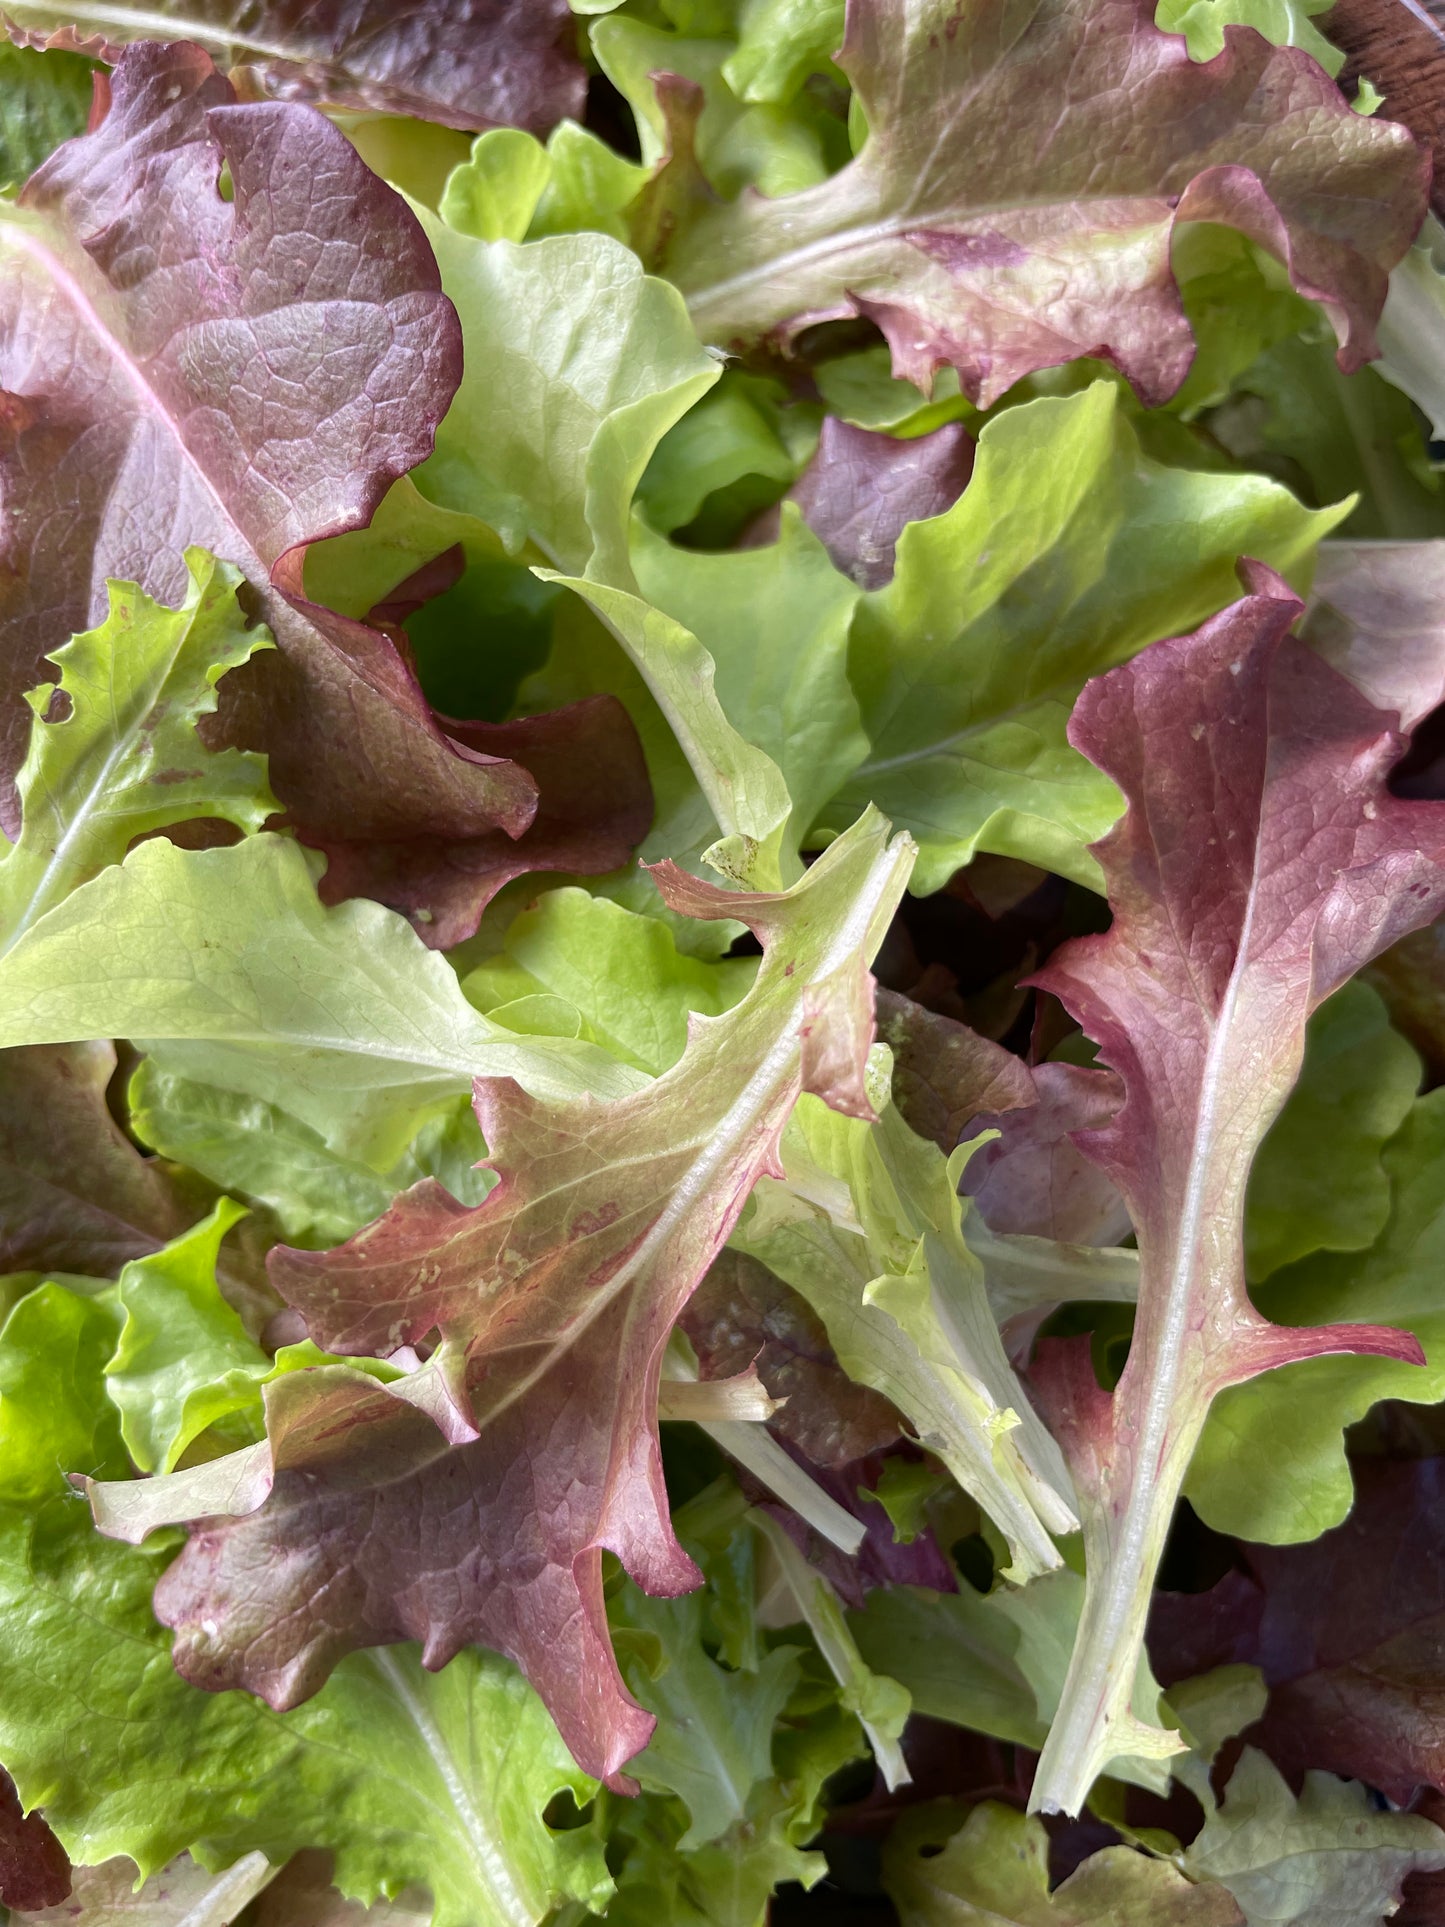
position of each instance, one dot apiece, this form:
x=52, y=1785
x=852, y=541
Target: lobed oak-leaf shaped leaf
x=465, y=63
x=472, y=1500
x=1025, y=164
x=1261, y=862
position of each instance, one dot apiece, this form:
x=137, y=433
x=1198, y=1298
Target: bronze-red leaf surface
x=465, y=63
x=1260, y=863
x=245, y=373
x=1025, y=164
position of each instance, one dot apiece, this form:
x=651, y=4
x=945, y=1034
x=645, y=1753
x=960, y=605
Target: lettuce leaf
x=1198, y=997
x=1298, y=1415
x=1001, y=257
x=467, y=63
x=125, y=758
x=1069, y=550
x=995, y=1866
x=618, y=1229
x=867, y=1225
x=138, y=450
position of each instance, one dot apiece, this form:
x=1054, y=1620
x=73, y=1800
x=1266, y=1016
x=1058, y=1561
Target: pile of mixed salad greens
x=720, y=1196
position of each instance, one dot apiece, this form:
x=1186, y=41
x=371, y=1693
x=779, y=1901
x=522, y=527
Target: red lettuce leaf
x=75, y=1194
x=945, y=1075
x=1349, y=1632
x=465, y=63
x=594, y=807
x=741, y=1315
x=34, y=1867
x=1025, y=164
x=472, y=1500
x=862, y=489
x=248, y=374
x=1033, y=1180
x=1261, y=862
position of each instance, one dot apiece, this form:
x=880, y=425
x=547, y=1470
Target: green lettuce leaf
x=227, y=958
x=1329, y=435
x=781, y=42
x=566, y=334
x=730, y=456
x=1328, y=1856
x=125, y=759
x=1318, y=1183
x=713, y=1743
x=590, y=185
x=778, y=142
x=183, y=1361
x=404, y=1775
x=1284, y=23
x=867, y=1225
x=994, y=1867
x=260, y=1152
x=991, y=1662
x=1069, y=551
x=54, y=1415
x=44, y=100
x=619, y=975
x=775, y=622
x=1293, y=1419
x=493, y=195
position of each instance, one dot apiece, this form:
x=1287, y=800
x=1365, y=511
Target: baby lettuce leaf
x=228, y=967
x=1004, y=256
x=568, y=332
x=867, y=1225
x=183, y=1360
x=775, y=622
x=42, y=103
x=553, y=1300
x=603, y=391
x=493, y=194
x=1328, y=1854
x=732, y=1713
x=75, y=1194
x=1294, y=1420
x=607, y=975
x=1222, y=943
x=1067, y=552
x=53, y=1411
x=861, y=490
x=701, y=138
x=781, y=42
x=1284, y=23
x=945, y=1075
x=34, y=1868
x=260, y=1152
x=594, y=807
x=940, y=1868
x=125, y=760
x=464, y=63
x=320, y=384
x=1032, y=1180
x=406, y=1777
